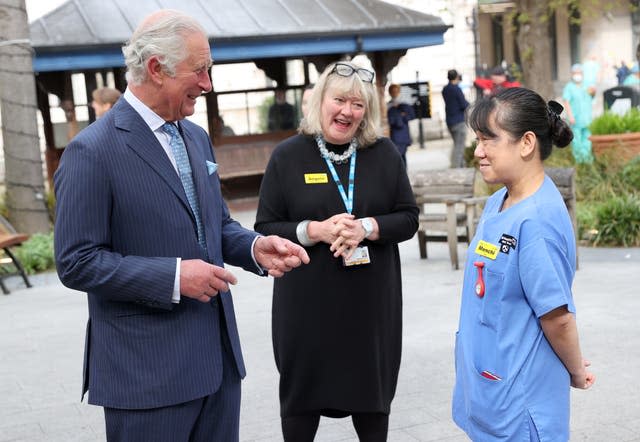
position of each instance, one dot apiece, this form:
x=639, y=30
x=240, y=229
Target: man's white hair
x=163, y=37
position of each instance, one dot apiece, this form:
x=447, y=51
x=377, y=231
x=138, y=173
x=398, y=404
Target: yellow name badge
x=316, y=178
x=487, y=250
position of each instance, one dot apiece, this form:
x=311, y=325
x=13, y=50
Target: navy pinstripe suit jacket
x=122, y=218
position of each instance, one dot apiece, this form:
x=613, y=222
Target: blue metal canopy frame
x=244, y=50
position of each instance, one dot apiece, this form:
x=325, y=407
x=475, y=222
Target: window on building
x=574, y=36
x=553, y=49
x=497, y=31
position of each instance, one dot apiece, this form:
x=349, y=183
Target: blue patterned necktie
x=184, y=170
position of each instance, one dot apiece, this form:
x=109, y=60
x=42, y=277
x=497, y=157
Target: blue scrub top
x=529, y=275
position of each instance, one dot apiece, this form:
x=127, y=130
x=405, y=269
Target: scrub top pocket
x=491, y=302
x=489, y=404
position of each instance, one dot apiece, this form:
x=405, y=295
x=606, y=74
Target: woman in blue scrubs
x=517, y=349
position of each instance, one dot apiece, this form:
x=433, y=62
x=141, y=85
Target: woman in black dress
x=341, y=191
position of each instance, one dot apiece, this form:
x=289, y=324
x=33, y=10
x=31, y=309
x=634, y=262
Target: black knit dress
x=337, y=331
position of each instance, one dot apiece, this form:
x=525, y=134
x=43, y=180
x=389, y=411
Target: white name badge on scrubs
x=360, y=256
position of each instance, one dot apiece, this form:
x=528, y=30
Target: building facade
x=481, y=37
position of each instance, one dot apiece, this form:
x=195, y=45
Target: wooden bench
x=246, y=155
x=10, y=238
x=446, y=212
x=453, y=190
x=564, y=179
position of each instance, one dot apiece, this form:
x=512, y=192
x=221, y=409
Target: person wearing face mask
x=578, y=101
x=341, y=191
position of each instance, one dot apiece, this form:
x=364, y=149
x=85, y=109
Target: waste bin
x=620, y=99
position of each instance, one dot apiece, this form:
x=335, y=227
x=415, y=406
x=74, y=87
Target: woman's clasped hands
x=342, y=231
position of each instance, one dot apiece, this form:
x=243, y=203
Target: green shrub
x=631, y=120
x=560, y=158
x=618, y=222
x=597, y=181
x=630, y=175
x=607, y=177
x=608, y=194
x=36, y=254
x=586, y=220
x=611, y=123
x=607, y=123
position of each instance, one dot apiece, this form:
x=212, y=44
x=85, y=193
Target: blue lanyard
x=348, y=200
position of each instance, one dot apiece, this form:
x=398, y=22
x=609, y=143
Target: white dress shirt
x=155, y=122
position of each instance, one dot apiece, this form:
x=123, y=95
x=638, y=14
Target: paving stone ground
x=42, y=340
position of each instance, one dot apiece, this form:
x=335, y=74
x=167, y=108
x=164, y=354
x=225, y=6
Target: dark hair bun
x=561, y=133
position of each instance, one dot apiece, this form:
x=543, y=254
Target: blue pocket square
x=211, y=167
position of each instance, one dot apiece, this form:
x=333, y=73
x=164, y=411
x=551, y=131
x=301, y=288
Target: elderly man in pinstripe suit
x=142, y=228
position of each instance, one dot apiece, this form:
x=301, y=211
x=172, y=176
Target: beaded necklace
x=332, y=156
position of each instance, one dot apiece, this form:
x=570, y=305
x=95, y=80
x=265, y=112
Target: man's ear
x=155, y=70
x=528, y=144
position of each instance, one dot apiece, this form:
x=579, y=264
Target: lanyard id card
x=346, y=199
x=360, y=256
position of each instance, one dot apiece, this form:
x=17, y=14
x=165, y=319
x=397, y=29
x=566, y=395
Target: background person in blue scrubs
x=517, y=349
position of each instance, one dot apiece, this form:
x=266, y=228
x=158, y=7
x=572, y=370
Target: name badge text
x=487, y=250
x=316, y=178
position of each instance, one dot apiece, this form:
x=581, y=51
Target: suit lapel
x=141, y=140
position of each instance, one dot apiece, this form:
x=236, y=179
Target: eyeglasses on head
x=346, y=70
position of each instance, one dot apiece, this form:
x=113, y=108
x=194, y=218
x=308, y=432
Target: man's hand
x=202, y=281
x=278, y=255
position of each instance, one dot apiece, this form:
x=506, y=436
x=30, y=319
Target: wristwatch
x=367, y=225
